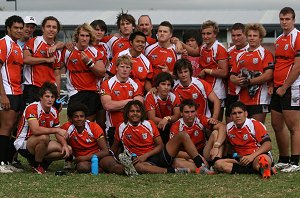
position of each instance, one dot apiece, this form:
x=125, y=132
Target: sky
x=26, y=5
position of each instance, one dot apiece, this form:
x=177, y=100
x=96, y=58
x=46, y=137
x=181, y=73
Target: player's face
x=253, y=38
x=208, y=36
x=99, y=33
x=83, y=38
x=29, y=28
x=184, y=76
x=126, y=28
x=50, y=29
x=287, y=22
x=238, y=116
x=47, y=100
x=192, y=43
x=138, y=44
x=145, y=26
x=164, y=34
x=123, y=71
x=189, y=114
x=15, y=31
x=78, y=119
x=164, y=89
x=238, y=38
x=134, y=115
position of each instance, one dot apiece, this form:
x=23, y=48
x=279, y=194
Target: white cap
x=30, y=19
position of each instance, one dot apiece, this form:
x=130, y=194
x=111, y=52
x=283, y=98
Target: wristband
x=89, y=63
x=210, y=71
x=91, y=66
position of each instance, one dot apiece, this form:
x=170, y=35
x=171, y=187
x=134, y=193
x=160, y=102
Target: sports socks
x=198, y=161
x=4, y=144
x=284, y=159
x=294, y=160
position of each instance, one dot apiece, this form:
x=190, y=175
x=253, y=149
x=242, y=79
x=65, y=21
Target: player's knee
x=183, y=135
x=44, y=139
x=83, y=167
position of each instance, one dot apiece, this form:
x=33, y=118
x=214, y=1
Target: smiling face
x=254, y=39
x=138, y=44
x=29, y=28
x=99, y=33
x=78, y=119
x=50, y=30
x=134, y=115
x=145, y=25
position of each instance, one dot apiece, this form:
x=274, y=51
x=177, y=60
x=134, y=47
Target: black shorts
x=165, y=134
x=230, y=99
x=90, y=98
x=31, y=94
x=289, y=101
x=16, y=102
x=25, y=153
x=257, y=109
x=110, y=135
x=161, y=159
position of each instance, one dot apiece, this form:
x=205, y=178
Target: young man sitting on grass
x=250, y=140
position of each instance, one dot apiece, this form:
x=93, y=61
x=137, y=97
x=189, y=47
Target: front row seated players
x=38, y=122
x=86, y=139
x=194, y=125
x=250, y=141
x=141, y=137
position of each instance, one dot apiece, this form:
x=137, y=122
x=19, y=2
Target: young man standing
x=11, y=101
x=141, y=137
x=145, y=25
x=116, y=92
x=29, y=27
x=250, y=141
x=84, y=70
x=285, y=102
x=38, y=122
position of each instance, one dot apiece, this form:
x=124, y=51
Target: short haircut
x=124, y=59
x=256, y=27
x=11, y=20
x=51, y=18
x=134, y=103
x=87, y=28
x=145, y=15
x=237, y=104
x=188, y=102
x=99, y=23
x=191, y=34
x=208, y=24
x=125, y=17
x=166, y=24
x=238, y=26
x=48, y=86
x=77, y=107
x=162, y=77
x=137, y=33
x=288, y=10
x=182, y=64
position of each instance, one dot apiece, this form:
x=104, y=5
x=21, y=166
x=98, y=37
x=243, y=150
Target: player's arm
x=57, y=46
x=191, y=51
x=221, y=128
x=36, y=129
x=212, y=97
x=221, y=71
x=5, y=104
x=98, y=68
x=29, y=59
x=152, y=116
x=113, y=105
x=57, y=76
x=115, y=148
x=67, y=150
x=264, y=77
x=139, y=98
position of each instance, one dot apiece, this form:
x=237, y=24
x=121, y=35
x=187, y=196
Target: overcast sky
x=147, y=4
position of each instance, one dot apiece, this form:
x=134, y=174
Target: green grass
x=169, y=185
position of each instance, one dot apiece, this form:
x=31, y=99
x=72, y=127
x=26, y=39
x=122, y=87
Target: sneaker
x=127, y=163
x=280, y=165
x=4, y=168
x=14, y=169
x=204, y=171
x=17, y=164
x=264, y=167
x=291, y=168
x=182, y=170
x=39, y=170
x=68, y=165
x=45, y=164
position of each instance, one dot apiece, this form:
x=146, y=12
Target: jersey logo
x=169, y=59
x=140, y=69
x=295, y=99
x=154, y=56
x=76, y=139
x=196, y=133
x=245, y=137
x=16, y=52
x=128, y=136
x=43, y=122
x=51, y=123
x=255, y=60
x=231, y=136
x=117, y=92
x=120, y=45
x=130, y=93
x=88, y=140
x=74, y=61
x=286, y=47
x=43, y=52
x=195, y=95
x=208, y=59
x=144, y=135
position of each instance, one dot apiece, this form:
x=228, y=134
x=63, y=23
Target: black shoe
x=17, y=164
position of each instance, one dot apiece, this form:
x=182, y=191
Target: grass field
x=169, y=185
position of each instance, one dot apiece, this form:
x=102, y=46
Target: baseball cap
x=30, y=19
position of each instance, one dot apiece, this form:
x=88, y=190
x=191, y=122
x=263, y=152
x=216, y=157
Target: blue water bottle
x=236, y=156
x=94, y=167
x=133, y=156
